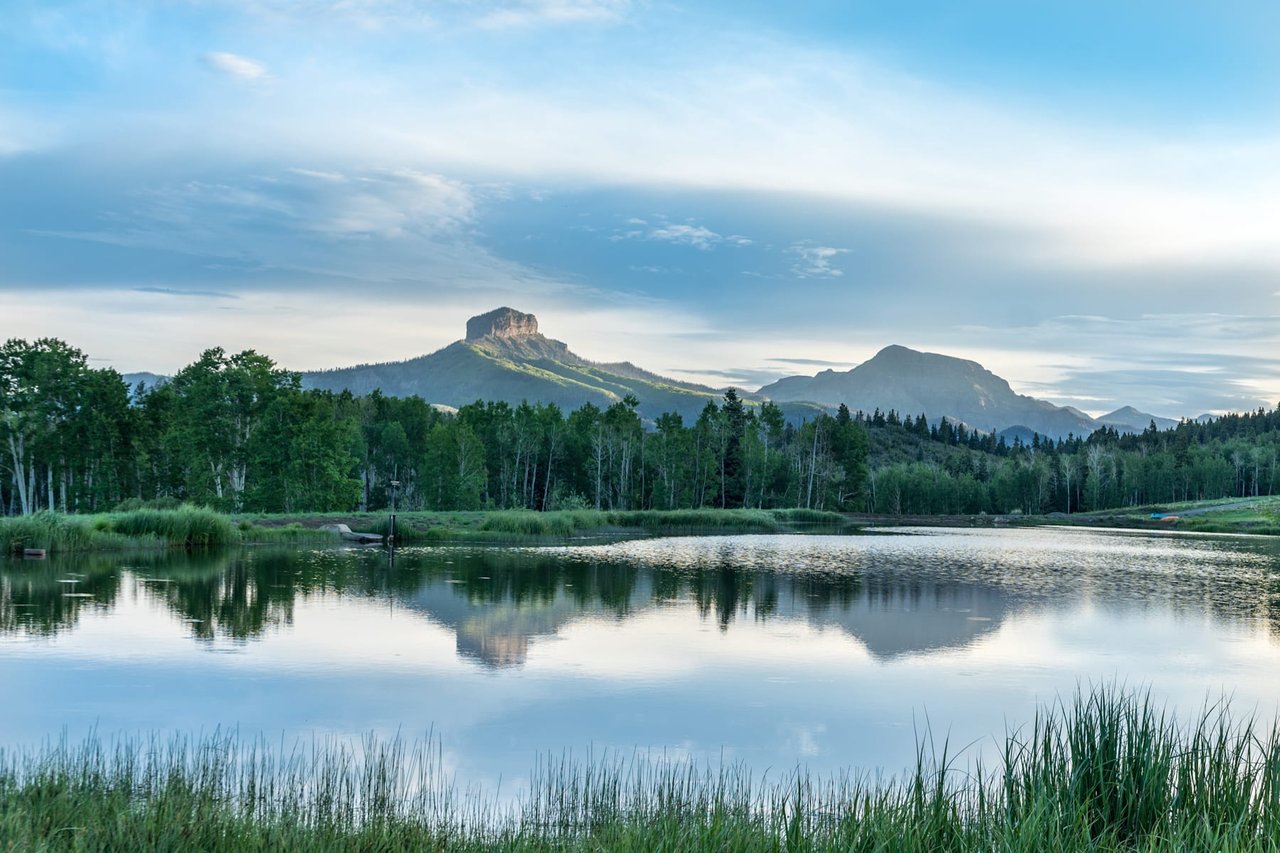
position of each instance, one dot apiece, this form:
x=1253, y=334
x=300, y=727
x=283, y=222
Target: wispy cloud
x=236, y=66
x=698, y=236
x=379, y=15
x=809, y=362
x=816, y=261
x=335, y=225
x=523, y=13
x=173, y=291
x=682, y=233
x=1171, y=364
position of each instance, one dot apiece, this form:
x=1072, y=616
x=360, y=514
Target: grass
x=1108, y=770
x=1261, y=516
x=197, y=527
x=186, y=526
x=570, y=523
x=527, y=526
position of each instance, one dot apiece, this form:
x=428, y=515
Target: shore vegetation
x=1106, y=770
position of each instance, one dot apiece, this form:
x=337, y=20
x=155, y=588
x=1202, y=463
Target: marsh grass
x=186, y=526
x=1108, y=770
x=578, y=522
x=198, y=527
x=56, y=532
x=190, y=527
x=516, y=526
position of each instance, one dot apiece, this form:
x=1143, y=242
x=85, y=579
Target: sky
x=1082, y=195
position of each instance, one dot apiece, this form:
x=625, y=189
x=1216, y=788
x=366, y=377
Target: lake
x=830, y=652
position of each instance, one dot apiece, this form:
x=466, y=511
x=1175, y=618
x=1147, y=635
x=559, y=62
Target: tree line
x=238, y=433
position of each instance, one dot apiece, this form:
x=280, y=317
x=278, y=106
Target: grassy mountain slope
x=504, y=357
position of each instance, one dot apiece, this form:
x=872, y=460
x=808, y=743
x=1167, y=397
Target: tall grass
x=185, y=527
x=1108, y=770
x=198, y=527
x=56, y=532
x=577, y=522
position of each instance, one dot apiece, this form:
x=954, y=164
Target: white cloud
x=698, y=236
x=373, y=226
x=681, y=233
x=392, y=15
x=749, y=114
x=524, y=13
x=816, y=261
x=803, y=121
x=234, y=65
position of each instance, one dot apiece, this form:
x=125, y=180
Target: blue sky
x=1083, y=196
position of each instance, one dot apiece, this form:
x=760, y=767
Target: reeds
x=195, y=527
x=1108, y=770
x=53, y=531
x=186, y=527
x=578, y=522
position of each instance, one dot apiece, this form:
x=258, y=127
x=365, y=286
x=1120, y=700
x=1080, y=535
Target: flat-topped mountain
x=502, y=323
x=913, y=382
x=505, y=357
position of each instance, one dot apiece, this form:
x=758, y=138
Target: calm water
x=772, y=650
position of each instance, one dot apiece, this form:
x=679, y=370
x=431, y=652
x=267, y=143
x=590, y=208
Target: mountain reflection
x=894, y=600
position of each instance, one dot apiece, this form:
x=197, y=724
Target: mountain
x=151, y=380
x=937, y=385
x=505, y=357
x=1128, y=419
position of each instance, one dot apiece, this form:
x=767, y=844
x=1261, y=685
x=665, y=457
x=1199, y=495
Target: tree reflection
x=43, y=597
x=498, y=601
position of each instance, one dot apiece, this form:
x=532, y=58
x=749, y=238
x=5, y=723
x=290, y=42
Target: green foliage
x=190, y=527
x=56, y=532
x=237, y=434
x=187, y=526
x=809, y=516
x=1106, y=771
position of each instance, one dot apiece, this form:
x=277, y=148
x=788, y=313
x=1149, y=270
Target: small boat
x=34, y=553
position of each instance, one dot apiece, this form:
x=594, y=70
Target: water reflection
x=41, y=598
x=897, y=595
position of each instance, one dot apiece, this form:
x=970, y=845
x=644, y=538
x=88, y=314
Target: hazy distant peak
x=1129, y=419
x=896, y=355
x=914, y=382
x=502, y=323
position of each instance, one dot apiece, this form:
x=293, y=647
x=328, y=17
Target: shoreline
x=197, y=528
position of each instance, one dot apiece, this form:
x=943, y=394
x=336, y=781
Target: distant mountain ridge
x=913, y=382
x=505, y=357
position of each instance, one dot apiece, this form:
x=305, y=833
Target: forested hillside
x=237, y=433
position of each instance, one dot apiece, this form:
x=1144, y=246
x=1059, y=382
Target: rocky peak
x=502, y=323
